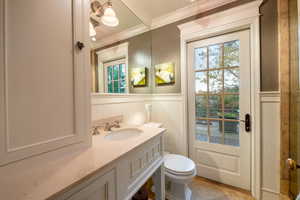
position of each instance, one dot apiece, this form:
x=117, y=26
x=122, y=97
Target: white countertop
x=40, y=177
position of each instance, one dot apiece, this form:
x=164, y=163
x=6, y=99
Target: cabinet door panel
x=103, y=188
x=42, y=83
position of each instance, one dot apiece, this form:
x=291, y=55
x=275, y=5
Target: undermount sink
x=123, y=134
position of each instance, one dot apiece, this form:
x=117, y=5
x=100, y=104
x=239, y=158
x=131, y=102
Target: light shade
x=92, y=30
x=109, y=17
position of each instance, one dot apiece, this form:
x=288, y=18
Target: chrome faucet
x=108, y=126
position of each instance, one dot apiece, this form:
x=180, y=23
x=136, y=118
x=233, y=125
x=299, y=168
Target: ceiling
x=155, y=8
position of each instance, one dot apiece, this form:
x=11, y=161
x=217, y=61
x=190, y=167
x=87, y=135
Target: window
x=115, y=76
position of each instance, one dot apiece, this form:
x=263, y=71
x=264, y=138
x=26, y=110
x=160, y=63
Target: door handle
x=247, y=122
x=80, y=45
x=291, y=164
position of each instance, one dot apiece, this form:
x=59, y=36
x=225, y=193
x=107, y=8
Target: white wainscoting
x=270, y=132
x=169, y=110
x=166, y=108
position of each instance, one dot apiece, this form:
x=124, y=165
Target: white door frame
x=245, y=16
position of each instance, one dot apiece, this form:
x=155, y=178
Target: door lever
x=247, y=122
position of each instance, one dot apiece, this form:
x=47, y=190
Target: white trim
x=270, y=97
x=188, y=11
x=177, y=15
x=111, y=64
x=241, y=17
x=116, y=52
x=103, y=99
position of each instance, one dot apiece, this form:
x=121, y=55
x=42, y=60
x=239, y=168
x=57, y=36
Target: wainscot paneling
x=270, y=133
x=167, y=109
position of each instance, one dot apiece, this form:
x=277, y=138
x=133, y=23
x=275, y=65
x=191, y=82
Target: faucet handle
x=95, y=131
x=117, y=124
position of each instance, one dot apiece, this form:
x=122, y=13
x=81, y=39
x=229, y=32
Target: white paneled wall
x=131, y=107
x=270, y=131
x=166, y=109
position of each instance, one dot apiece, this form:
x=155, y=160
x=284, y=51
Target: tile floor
x=204, y=189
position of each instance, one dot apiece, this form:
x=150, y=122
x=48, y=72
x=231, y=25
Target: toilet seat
x=178, y=165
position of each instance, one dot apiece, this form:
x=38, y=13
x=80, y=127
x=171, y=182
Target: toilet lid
x=179, y=164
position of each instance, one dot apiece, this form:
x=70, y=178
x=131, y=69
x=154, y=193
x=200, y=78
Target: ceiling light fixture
x=101, y=14
x=109, y=17
x=92, y=30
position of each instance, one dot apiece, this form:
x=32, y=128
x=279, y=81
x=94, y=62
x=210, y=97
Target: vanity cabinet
x=121, y=179
x=103, y=188
x=44, y=77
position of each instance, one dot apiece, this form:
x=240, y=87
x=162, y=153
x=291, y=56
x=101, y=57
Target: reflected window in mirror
x=115, y=76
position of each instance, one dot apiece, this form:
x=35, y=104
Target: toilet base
x=177, y=191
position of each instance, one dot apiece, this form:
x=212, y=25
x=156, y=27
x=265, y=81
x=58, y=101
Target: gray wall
x=139, y=55
x=269, y=46
x=166, y=48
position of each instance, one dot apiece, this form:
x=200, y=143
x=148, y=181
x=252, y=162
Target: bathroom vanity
x=112, y=169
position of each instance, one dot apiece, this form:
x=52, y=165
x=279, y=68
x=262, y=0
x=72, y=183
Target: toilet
x=179, y=171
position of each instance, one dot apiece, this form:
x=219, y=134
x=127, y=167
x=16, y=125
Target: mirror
x=128, y=57
x=124, y=66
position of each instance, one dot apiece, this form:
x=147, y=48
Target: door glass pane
x=201, y=130
x=201, y=58
x=215, y=106
x=116, y=72
x=231, y=54
x=215, y=56
x=231, y=107
x=231, y=80
x=215, y=130
x=201, y=106
x=201, y=82
x=217, y=85
x=215, y=81
x=231, y=133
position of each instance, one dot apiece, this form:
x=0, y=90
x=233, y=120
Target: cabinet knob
x=80, y=45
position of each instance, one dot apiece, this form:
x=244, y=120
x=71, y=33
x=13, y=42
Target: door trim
x=238, y=18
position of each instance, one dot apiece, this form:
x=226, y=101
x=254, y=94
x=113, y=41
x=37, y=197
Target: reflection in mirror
x=121, y=67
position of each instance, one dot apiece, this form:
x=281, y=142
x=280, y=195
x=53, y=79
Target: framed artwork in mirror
x=139, y=77
x=165, y=74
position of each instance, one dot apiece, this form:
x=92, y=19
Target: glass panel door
x=218, y=97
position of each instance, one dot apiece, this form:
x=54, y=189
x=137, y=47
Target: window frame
x=108, y=55
x=106, y=65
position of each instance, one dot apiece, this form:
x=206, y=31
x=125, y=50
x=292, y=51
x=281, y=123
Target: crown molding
x=195, y=8
x=242, y=12
x=179, y=14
